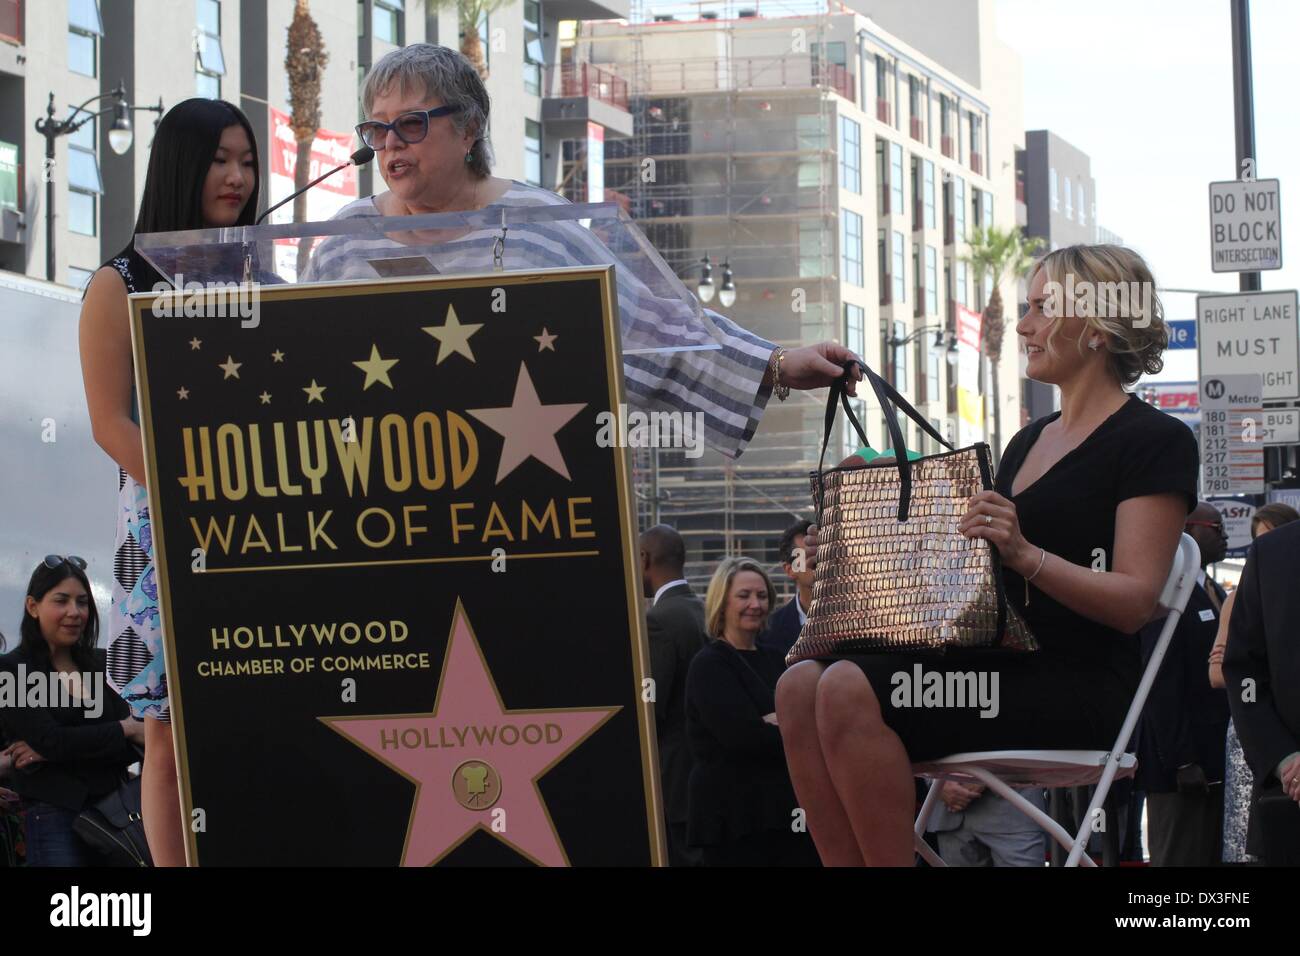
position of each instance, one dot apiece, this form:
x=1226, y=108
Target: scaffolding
x=740, y=148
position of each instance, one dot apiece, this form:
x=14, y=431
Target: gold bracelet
x=1041, y=559
x=782, y=392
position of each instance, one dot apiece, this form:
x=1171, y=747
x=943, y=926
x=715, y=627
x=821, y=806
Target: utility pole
x=1243, y=95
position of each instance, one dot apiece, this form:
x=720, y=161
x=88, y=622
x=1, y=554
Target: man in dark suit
x=1185, y=720
x=1261, y=667
x=787, y=621
x=676, y=633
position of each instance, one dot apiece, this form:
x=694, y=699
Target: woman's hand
x=23, y=755
x=993, y=518
x=817, y=366
x=1291, y=778
x=134, y=730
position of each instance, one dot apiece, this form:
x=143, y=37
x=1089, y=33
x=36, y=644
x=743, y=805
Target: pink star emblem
x=475, y=764
x=528, y=427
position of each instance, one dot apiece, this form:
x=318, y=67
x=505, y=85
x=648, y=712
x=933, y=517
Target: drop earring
x=1094, y=344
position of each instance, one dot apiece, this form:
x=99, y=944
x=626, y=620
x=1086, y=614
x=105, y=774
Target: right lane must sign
x=1250, y=333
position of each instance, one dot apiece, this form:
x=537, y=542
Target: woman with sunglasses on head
x=428, y=115
x=71, y=744
x=203, y=173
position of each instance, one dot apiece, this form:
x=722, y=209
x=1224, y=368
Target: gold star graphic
x=230, y=367
x=182, y=393
x=266, y=398
x=315, y=393
x=376, y=368
x=195, y=343
x=277, y=356
x=453, y=337
x=545, y=341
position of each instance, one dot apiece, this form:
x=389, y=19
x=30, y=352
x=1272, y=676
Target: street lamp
x=727, y=293
x=705, y=288
x=120, y=137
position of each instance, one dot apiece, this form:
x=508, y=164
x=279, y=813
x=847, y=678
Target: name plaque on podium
x=398, y=573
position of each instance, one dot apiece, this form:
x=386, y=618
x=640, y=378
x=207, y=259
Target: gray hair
x=443, y=73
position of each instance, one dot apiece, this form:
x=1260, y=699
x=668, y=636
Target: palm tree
x=998, y=254
x=469, y=14
x=304, y=61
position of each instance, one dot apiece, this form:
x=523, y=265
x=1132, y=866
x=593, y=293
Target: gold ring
x=988, y=519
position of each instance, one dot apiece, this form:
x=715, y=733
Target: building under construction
x=750, y=159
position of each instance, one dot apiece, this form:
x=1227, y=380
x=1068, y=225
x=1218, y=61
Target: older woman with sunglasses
x=427, y=121
x=71, y=744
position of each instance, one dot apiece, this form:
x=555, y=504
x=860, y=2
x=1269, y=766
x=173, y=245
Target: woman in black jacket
x=742, y=808
x=70, y=736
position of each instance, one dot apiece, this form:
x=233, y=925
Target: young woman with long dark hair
x=203, y=173
x=73, y=743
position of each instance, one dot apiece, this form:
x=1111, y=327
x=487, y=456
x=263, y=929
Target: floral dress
x=135, y=651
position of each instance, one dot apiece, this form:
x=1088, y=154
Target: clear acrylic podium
x=656, y=312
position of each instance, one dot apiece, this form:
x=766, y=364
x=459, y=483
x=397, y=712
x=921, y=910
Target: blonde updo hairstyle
x=715, y=599
x=1112, y=290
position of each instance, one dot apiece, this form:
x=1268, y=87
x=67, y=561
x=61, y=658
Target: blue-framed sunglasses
x=410, y=128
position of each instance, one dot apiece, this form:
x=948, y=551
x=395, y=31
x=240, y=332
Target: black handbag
x=114, y=825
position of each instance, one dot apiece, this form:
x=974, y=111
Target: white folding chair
x=1002, y=770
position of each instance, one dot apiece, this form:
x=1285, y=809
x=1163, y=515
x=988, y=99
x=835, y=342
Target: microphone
x=362, y=156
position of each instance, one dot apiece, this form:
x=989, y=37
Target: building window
x=1051, y=189
x=931, y=281
x=386, y=15
x=917, y=278
x=882, y=179
x=1069, y=200
x=84, y=30
x=896, y=179
x=899, y=257
x=209, y=62
x=1083, y=215
x=900, y=358
x=532, y=152
x=960, y=292
x=850, y=155
x=882, y=266
x=882, y=78
x=84, y=183
x=79, y=278
x=987, y=198
x=931, y=373
x=484, y=35
x=930, y=220
x=914, y=103
x=533, y=48
x=810, y=249
x=914, y=167
x=852, y=244
x=854, y=328
x=959, y=209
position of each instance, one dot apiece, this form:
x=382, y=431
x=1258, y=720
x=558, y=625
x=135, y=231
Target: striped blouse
x=723, y=383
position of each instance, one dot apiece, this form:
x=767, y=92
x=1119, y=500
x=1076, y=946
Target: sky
x=1144, y=87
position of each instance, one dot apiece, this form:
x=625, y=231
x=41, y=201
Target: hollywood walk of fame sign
x=397, y=575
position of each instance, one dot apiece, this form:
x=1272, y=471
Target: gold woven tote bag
x=893, y=572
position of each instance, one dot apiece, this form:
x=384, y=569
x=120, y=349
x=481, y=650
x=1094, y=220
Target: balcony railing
x=708, y=74
x=918, y=129
x=946, y=146
x=976, y=163
x=587, y=79
x=882, y=109
x=11, y=21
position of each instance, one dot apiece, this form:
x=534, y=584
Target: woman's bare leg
x=160, y=796
x=796, y=714
x=868, y=765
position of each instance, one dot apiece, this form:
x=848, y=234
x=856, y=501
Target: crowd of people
x=761, y=764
